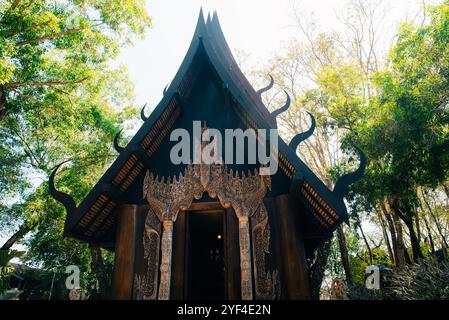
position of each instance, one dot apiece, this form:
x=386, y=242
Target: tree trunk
x=19, y=234
x=401, y=246
x=344, y=254
x=402, y=257
x=2, y=102
x=386, y=238
x=366, y=244
x=437, y=223
x=445, y=189
x=404, y=212
x=100, y=272
x=418, y=228
x=429, y=232
x=396, y=237
x=416, y=248
x=317, y=268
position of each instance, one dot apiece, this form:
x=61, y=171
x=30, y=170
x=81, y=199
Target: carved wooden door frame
x=243, y=193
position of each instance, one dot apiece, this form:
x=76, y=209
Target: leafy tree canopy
x=61, y=102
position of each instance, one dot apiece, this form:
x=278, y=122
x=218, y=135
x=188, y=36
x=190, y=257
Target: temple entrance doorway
x=206, y=255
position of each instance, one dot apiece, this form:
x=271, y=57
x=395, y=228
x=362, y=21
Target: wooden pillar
x=178, y=284
x=166, y=261
x=245, y=258
x=125, y=251
x=294, y=266
x=232, y=255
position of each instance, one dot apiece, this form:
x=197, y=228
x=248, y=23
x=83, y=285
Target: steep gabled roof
x=94, y=219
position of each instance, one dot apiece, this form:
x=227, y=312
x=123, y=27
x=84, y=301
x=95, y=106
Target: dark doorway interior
x=206, y=255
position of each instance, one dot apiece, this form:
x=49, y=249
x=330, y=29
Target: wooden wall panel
x=232, y=255
x=293, y=261
x=179, y=263
x=125, y=251
x=288, y=247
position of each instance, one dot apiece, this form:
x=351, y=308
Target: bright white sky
x=258, y=27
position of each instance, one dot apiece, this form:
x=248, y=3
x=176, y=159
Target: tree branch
x=44, y=83
x=19, y=234
x=33, y=26
x=57, y=35
x=15, y=4
x=27, y=149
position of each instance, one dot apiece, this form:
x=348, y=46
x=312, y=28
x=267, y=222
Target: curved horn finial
x=270, y=85
x=65, y=199
x=142, y=113
x=343, y=183
x=303, y=135
x=117, y=147
x=165, y=90
x=284, y=108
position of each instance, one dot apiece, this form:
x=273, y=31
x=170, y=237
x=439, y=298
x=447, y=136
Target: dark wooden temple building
x=207, y=231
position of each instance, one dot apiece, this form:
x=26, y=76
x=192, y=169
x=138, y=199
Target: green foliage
x=360, y=261
x=394, y=107
x=52, y=252
x=341, y=92
x=61, y=95
x=6, y=269
x=60, y=102
x=402, y=124
x=412, y=117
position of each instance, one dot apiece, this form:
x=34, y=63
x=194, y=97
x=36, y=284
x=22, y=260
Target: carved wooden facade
x=138, y=208
x=245, y=194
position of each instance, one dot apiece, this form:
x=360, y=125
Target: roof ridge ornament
x=117, y=147
x=342, y=184
x=165, y=90
x=142, y=113
x=65, y=199
x=284, y=108
x=268, y=87
x=300, y=137
x=200, y=24
x=214, y=16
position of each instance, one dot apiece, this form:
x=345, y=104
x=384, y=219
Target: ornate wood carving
x=167, y=240
x=145, y=286
x=245, y=259
x=244, y=193
x=266, y=281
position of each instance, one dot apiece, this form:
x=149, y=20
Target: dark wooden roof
x=94, y=221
